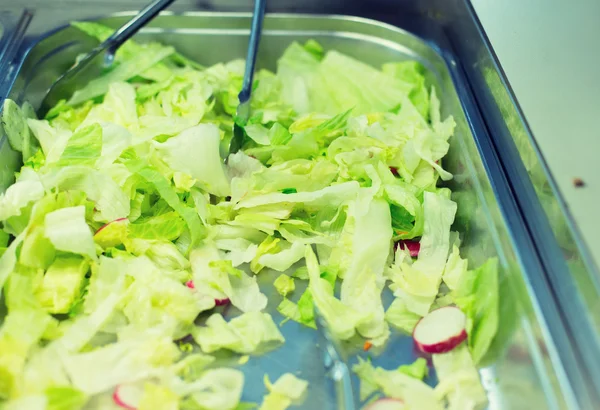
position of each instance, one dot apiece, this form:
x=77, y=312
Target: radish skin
x=222, y=302
x=119, y=403
x=441, y=330
x=386, y=404
x=127, y=396
x=109, y=223
x=413, y=247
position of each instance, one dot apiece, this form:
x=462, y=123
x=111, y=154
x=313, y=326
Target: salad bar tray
x=532, y=361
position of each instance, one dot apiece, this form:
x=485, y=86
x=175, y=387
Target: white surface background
x=550, y=51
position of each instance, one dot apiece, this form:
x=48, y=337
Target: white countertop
x=550, y=52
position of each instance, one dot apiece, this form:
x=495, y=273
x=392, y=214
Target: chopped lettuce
x=459, y=380
x=477, y=296
x=287, y=390
x=61, y=285
x=417, y=369
x=126, y=236
x=252, y=332
x=284, y=284
x=396, y=384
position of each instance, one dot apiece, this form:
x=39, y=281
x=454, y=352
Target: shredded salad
x=125, y=226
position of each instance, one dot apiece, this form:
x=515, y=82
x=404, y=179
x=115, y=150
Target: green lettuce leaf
x=216, y=389
x=83, y=147
x=196, y=152
x=67, y=230
x=459, y=380
x=149, y=55
x=287, y=390
x=220, y=280
x=477, y=295
x=252, y=332
x=62, y=284
x=284, y=284
x=417, y=369
x=396, y=384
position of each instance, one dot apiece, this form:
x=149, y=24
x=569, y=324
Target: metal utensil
x=243, y=109
x=79, y=73
x=335, y=364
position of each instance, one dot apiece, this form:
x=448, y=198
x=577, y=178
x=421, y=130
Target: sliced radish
x=112, y=234
x=386, y=404
x=413, y=247
x=222, y=302
x=128, y=396
x=190, y=284
x=441, y=330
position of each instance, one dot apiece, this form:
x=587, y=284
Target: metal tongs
x=243, y=109
x=335, y=364
x=80, y=73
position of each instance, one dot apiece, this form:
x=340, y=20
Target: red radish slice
x=386, y=404
x=413, y=247
x=222, y=302
x=441, y=330
x=190, y=284
x=112, y=233
x=128, y=396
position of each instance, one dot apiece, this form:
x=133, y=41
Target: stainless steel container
x=507, y=205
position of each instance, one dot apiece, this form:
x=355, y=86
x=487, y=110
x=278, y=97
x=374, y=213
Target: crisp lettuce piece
x=37, y=250
x=27, y=188
x=216, y=389
x=284, y=284
x=417, y=284
x=126, y=361
x=332, y=85
x=477, y=295
x=400, y=317
x=109, y=199
x=65, y=398
x=363, y=281
x=20, y=332
x=252, y=332
x=332, y=196
x=287, y=390
x=157, y=300
x=116, y=114
x=284, y=259
x=459, y=380
x=168, y=226
x=157, y=396
x=37, y=402
x=189, y=215
x=412, y=72
x=149, y=55
x=191, y=367
x=393, y=383
x=67, y=230
x=196, y=152
x=62, y=284
x=455, y=269
x=417, y=369
x=85, y=326
x=83, y=147
x=341, y=319
x=14, y=124
x=53, y=140
x=219, y=279
x=302, y=312
x=107, y=279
